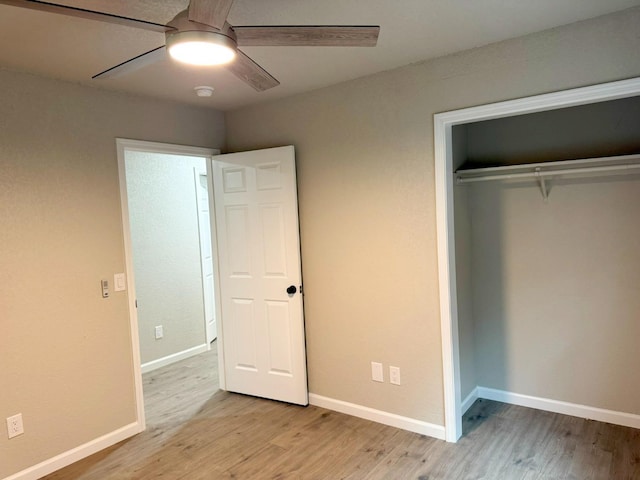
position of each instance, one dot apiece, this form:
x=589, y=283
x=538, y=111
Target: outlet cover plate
x=394, y=375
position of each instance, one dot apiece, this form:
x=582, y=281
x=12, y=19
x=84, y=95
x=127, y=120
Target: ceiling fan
x=201, y=35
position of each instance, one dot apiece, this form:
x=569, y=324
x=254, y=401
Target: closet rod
x=549, y=173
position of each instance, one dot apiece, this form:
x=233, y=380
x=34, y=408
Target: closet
x=547, y=230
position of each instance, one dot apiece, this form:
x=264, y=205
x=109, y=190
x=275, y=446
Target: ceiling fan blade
x=308, y=36
x=88, y=14
x=210, y=12
x=134, y=63
x=251, y=73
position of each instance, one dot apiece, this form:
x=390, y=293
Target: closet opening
x=538, y=221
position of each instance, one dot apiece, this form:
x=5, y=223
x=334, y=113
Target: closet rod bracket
x=543, y=185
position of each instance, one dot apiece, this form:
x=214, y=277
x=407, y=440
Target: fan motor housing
x=182, y=25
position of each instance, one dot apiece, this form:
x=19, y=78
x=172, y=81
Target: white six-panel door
x=256, y=207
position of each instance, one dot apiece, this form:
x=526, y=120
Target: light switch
x=119, y=282
x=376, y=372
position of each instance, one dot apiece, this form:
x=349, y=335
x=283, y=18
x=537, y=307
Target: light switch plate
x=377, y=374
x=119, y=284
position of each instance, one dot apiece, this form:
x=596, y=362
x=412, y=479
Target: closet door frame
x=444, y=179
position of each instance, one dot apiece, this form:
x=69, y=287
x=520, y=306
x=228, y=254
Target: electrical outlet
x=159, y=332
x=15, y=426
x=377, y=374
x=394, y=375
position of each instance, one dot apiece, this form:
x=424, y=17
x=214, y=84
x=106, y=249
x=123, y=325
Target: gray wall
x=367, y=203
x=598, y=129
x=464, y=278
x=166, y=252
x=555, y=290
x=66, y=351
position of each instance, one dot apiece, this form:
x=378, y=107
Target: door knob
x=291, y=289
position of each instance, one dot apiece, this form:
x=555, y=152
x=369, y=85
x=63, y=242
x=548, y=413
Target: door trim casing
x=443, y=124
x=123, y=145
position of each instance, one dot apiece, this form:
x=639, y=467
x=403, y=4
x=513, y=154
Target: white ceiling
x=411, y=30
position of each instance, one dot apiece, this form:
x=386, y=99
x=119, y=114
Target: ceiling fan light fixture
x=201, y=48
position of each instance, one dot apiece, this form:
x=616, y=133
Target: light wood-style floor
x=196, y=432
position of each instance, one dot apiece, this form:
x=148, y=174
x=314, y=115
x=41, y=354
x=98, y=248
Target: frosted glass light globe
x=201, y=48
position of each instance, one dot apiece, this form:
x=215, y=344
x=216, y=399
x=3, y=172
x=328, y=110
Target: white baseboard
x=573, y=409
x=470, y=400
x=78, y=453
x=386, y=418
x=174, y=357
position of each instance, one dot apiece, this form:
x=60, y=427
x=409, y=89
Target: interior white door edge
x=258, y=244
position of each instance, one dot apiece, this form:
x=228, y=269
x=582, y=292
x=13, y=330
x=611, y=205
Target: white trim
x=121, y=145
x=565, y=408
x=174, y=357
x=166, y=148
x=443, y=124
x=447, y=280
x=386, y=418
x=78, y=453
x=469, y=400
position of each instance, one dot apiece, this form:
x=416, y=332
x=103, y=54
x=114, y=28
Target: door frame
x=124, y=145
x=196, y=177
x=444, y=183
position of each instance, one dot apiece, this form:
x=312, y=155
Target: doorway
x=167, y=199
x=200, y=158
x=257, y=269
x=444, y=146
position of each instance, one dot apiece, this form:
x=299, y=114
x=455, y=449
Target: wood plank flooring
x=196, y=432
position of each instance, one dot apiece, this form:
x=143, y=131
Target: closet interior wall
x=548, y=292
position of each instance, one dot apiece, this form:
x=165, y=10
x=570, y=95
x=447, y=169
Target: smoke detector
x=204, y=91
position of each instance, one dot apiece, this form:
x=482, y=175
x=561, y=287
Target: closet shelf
x=540, y=171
